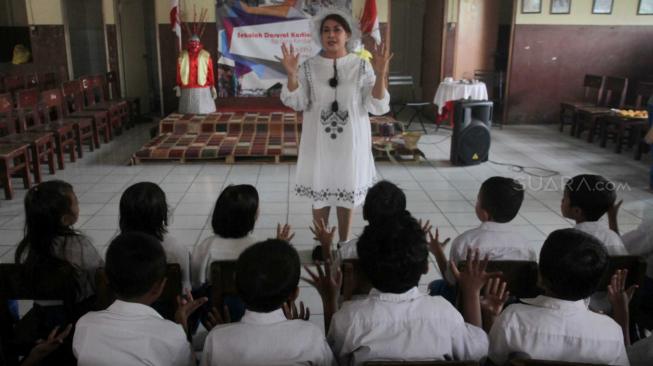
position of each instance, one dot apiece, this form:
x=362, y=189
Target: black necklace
x=333, y=82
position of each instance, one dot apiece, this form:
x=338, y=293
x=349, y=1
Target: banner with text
x=250, y=34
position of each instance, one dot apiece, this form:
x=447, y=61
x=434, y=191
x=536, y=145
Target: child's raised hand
x=284, y=233
x=324, y=235
x=214, y=318
x=473, y=277
x=436, y=247
x=426, y=227
x=618, y=295
x=291, y=312
x=326, y=281
x=44, y=347
x=186, y=306
x=494, y=297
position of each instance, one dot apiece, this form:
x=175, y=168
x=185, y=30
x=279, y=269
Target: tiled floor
x=435, y=190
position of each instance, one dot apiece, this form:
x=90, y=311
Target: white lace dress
x=335, y=166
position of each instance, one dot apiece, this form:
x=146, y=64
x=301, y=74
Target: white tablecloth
x=454, y=90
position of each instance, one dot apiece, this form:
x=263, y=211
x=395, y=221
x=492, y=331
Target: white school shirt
x=267, y=339
x=348, y=249
x=547, y=328
x=640, y=353
x=215, y=248
x=128, y=333
x=640, y=242
x=409, y=326
x=500, y=241
x=609, y=238
x=177, y=253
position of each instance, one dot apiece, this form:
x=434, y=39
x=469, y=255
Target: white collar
x=589, y=225
x=132, y=308
x=254, y=317
x=409, y=295
x=496, y=226
x=555, y=303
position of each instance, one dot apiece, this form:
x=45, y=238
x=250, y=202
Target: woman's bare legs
x=345, y=216
x=322, y=214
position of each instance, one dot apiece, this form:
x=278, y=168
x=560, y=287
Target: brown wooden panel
x=112, y=45
x=48, y=53
x=550, y=61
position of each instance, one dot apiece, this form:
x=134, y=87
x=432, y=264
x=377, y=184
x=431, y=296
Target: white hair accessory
x=316, y=23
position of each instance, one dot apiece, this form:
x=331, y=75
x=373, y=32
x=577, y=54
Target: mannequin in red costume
x=195, y=81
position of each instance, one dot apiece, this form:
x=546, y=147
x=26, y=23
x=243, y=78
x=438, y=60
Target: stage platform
x=233, y=136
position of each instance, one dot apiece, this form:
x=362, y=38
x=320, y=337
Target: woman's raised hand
x=290, y=60
x=381, y=57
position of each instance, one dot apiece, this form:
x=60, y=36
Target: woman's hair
x=45, y=207
x=235, y=210
x=143, y=208
x=338, y=19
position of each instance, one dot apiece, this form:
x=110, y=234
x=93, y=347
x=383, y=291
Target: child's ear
x=158, y=287
x=67, y=220
x=294, y=295
x=425, y=270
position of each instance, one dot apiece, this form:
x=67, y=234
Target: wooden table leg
x=36, y=163
x=27, y=180
x=59, y=149
x=6, y=178
x=50, y=150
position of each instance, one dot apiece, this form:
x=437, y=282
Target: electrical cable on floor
x=547, y=173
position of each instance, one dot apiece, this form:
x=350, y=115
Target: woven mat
x=230, y=134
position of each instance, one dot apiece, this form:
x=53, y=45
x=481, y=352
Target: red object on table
x=447, y=114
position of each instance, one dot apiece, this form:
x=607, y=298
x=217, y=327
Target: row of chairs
x=36, y=126
x=593, y=114
x=15, y=284
x=14, y=83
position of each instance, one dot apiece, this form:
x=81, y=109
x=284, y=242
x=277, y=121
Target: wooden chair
x=354, y=280
x=94, y=100
x=520, y=276
x=14, y=83
x=635, y=265
x=48, y=80
x=14, y=160
x=74, y=107
x=32, y=81
x=398, y=105
x=622, y=128
x=223, y=281
x=421, y=363
x=114, y=91
x=8, y=116
x=41, y=144
x=592, y=91
x=55, y=116
x=63, y=132
x=16, y=284
x=614, y=96
x=104, y=296
x=532, y=362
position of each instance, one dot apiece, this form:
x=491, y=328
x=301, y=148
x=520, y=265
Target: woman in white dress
x=336, y=90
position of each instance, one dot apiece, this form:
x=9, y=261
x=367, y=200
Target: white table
x=458, y=90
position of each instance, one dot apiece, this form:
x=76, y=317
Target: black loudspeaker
x=470, y=141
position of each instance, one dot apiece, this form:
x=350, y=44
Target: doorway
x=483, y=43
x=138, y=61
x=85, y=28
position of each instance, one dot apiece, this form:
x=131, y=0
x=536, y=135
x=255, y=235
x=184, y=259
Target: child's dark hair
x=572, y=263
x=135, y=262
x=143, y=208
x=384, y=201
x=45, y=206
x=501, y=197
x=394, y=256
x=338, y=19
x=593, y=194
x=267, y=273
x=235, y=210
